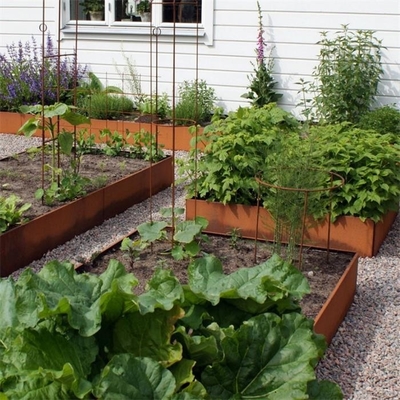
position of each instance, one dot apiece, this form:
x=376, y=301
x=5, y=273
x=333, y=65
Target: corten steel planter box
x=10, y=123
x=346, y=233
x=25, y=243
x=338, y=303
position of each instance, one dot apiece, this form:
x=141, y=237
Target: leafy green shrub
x=102, y=102
x=108, y=106
x=385, y=119
x=236, y=151
x=65, y=335
x=10, y=212
x=156, y=104
x=370, y=164
x=347, y=76
x=196, y=102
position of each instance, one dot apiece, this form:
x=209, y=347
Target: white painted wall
x=293, y=27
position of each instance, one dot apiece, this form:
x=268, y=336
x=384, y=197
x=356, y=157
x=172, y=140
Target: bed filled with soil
x=21, y=175
x=233, y=253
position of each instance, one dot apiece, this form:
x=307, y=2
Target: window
x=180, y=11
x=193, y=17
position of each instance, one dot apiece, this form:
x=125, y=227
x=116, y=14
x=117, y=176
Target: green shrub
x=347, y=76
x=385, y=119
x=196, y=102
x=237, y=149
x=108, y=106
x=156, y=104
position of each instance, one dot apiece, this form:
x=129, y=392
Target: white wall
x=293, y=27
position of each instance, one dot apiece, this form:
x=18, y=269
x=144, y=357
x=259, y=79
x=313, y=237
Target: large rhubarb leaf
x=58, y=290
x=268, y=357
x=135, y=378
x=149, y=335
x=163, y=291
x=273, y=280
x=48, y=362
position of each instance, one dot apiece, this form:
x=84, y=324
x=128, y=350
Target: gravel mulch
x=364, y=356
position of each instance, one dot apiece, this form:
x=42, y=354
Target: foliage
x=92, y=5
x=196, y=102
x=384, y=119
x=22, y=70
x=114, y=143
x=347, y=76
x=145, y=146
x=66, y=335
x=236, y=150
x=102, y=102
x=156, y=104
x=369, y=163
x=262, y=83
x=143, y=6
x=65, y=183
x=130, y=75
x=10, y=212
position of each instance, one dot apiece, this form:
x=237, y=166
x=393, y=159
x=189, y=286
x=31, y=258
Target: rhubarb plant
x=67, y=335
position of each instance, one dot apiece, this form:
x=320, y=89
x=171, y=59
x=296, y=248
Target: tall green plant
x=347, y=76
x=262, y=83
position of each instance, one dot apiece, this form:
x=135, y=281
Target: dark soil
x=22, y=175
x=322, y=276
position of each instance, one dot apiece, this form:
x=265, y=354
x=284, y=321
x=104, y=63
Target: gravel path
x=364, y=356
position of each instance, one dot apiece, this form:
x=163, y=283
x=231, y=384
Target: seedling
x=133, y=248
x=234, y=236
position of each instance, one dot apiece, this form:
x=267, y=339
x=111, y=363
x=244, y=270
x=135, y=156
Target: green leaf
x=324, y=390
x=268, y=357
x=29, y=127
x=131, y=378
x=75, y=119
x=66, y=141
x=151, y=231
x=274, y=279
x=163, y=291
x=149, y=335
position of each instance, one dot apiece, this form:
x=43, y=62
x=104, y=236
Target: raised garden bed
x=346, y=233
x=333, y=284
x=170, y=137
x=24, y=243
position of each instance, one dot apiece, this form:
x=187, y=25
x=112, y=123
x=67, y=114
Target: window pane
x=187, y=11
x=80, y=12
x=124, y=11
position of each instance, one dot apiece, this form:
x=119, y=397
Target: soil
x=234, y=254
x=22, y=175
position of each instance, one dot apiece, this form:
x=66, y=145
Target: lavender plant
x=262, y=83
x=22, y=69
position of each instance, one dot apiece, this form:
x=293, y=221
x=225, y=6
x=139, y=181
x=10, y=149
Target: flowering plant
x=262, y=83
x=143, y=6
x=24, y=75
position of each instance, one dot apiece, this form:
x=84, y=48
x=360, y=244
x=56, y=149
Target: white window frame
x=203, y=31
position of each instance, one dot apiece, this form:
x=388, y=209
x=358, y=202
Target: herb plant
x=262, y=83
x=347, y=76
x=11, y=213
x=196, y=102
x=156, y=105
x=67, y=335
x=21, y=75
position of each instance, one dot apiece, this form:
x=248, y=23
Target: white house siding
x=292, y=29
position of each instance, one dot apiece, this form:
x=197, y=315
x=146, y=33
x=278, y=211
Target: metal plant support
x=305, y=193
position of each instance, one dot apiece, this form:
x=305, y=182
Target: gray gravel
x=364, y=356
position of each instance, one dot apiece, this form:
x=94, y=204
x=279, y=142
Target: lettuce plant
x=66, y=335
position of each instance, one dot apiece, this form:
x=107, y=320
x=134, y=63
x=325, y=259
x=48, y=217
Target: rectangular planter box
x=346, y=233
x=177, y=137
x=25, y=243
